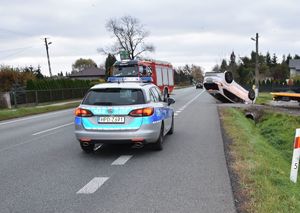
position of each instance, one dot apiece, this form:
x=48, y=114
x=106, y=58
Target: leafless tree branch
x=130, y=36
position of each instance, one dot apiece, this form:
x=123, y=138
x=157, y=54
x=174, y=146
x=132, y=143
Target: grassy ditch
x=25, y=111
x=260, y=157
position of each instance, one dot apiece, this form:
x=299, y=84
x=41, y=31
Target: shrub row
x=50, y=84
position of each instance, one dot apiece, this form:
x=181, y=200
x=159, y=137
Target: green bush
x=51, y=84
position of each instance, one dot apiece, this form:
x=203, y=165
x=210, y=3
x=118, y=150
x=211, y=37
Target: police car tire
x=165, y=95
x=158, y=144
x=171, y=131
x=87, y=149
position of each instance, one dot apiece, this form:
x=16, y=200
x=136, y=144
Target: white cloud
x=199, y=32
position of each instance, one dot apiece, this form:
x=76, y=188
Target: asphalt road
x=42, y=168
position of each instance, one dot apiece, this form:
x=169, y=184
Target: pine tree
x=224, y=65
x=274, y=60
x=296, y=57
x=232, y=58
x=109, y=62
x=288, y=58
x=268, y=60
x=38, y=73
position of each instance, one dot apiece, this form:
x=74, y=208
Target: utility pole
x=256, y=66
x=46, y=43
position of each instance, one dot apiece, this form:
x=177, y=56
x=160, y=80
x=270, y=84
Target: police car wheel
x=158, y=144
x=87, y=148
x=165, y=95
x=171, y=131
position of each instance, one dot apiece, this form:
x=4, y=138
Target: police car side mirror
x=170, y=101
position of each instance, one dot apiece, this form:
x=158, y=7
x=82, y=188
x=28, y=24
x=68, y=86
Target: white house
x=294, y=65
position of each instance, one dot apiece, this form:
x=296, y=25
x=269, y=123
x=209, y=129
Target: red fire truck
x=162, y=73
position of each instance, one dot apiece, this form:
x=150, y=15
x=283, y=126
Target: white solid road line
x=54, y=128
x=188, y=103
x=93, y=185
x=122, y=160
x=31, y=117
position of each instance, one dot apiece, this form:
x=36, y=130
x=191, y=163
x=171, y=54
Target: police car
x=126, y=110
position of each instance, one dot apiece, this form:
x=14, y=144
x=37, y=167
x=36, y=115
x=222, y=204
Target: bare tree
x=130, y=36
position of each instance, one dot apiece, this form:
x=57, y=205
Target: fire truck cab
x=161, y=72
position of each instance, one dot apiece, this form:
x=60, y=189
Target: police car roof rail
x=119, y=79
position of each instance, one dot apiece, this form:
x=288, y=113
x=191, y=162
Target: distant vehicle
x=285, y=96
x=161, y=72
x=222, y=87
x=199, y=85
x=123, y=112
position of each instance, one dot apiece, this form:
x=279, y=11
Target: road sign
x=124, y=55
x=296, y=155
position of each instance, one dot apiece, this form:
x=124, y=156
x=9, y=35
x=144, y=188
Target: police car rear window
x=114, y=96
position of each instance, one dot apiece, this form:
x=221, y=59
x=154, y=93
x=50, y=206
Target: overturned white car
x=222, y=87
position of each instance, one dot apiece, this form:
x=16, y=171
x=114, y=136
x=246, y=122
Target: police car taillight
x=142, y=112
x=83, y=112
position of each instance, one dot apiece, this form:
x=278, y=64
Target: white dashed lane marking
x=51, y=129
x=93, y=185
x=122, y=160
x=98, y=146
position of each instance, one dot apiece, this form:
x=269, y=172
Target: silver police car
x=124, y=111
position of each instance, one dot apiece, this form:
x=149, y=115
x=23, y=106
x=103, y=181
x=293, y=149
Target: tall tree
x=197, y=73
x=81, y=64
x=110, y=60
x=288, y=58
x=224, y=65
x=274, y=60
x=38, y=74
x=233, y=66
x=130, y=37
x=268, y=59
x=232, y=58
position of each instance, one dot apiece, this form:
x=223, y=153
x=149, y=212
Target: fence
x=275, y=87
x=34, y=97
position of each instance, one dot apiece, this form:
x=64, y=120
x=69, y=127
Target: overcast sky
x=183, y=32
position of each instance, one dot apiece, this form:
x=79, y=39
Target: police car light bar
x=129, y=79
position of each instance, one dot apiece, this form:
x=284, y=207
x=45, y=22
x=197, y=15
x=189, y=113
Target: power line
x=16, y=53
x=7, y=31
x=15, y=49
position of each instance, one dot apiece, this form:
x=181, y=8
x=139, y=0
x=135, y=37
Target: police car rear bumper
x=148, y=133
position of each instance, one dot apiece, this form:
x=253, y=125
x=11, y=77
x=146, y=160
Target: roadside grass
x=264, y=98
x=25, y=111
x=261, y=157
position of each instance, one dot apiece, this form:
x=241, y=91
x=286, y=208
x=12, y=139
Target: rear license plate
x=111, y=120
